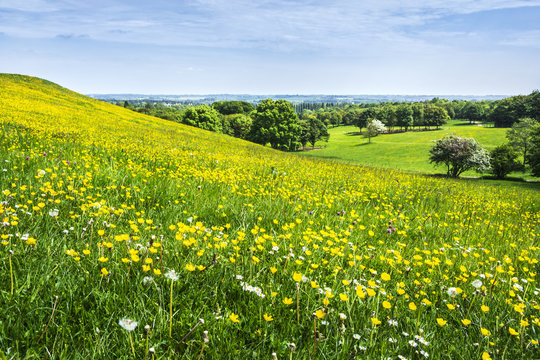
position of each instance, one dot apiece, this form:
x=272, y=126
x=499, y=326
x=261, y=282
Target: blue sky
x=275, y=46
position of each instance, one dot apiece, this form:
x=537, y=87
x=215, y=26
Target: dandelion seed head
x=128, y=324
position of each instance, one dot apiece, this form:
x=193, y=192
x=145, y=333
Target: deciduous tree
x=503, y=161
x=275, y=122
x=459, y=154
x=374, y=128
x=520, y=136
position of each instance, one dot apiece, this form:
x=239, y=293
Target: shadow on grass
x=362, y=144
x=491, y=180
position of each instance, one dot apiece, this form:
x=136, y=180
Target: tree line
x=270, y=122
x=288, y=127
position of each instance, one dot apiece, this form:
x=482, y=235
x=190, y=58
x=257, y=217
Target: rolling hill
x=113, y=221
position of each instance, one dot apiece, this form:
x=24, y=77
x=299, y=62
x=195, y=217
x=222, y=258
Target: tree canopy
x=237, y=125
x=459, y=154
x=520, y=136
x=233, y=107
x=313, y=130
x=373, y=128
x=204, y=117
x=503, y=161
x=275, y=122
x=510, y=110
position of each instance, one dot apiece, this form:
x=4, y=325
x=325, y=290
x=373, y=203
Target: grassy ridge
x=100, y=203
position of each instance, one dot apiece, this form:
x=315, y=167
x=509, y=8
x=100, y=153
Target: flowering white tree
x=459, y=154
x=373, y=128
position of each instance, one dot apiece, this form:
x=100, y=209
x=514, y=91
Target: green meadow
x=404, y=151
x=125, y=236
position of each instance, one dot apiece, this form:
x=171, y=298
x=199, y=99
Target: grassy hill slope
x=110, y=215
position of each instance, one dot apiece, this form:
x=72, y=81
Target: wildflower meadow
x=125, y=236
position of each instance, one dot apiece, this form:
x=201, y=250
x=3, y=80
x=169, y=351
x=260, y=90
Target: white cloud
x=235, y=23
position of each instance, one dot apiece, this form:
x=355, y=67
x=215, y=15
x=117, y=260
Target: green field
x=122, y=233
x=405, y=151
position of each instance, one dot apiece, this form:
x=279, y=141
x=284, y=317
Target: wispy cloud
x=526, y=39
x=301, y=44
x=234, y=23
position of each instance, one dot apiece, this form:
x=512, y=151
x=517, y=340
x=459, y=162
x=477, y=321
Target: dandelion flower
x=171, y=275
x=477, y=283
x=452, y=292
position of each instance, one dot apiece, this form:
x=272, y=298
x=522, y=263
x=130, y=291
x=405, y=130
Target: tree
x=508, y=111
x=275, y=122
x=435, y=115
x=533, y=159
x=418, y=114
x=386, y=114
x=350, y=117
x=404, y=115
x=233, y=107
x=520, y=135
x=459, y=155
x=373, y=128
x=316, y=130
x=335, y=118
x=238, y=125
x=473, y=111
x=204, y=117
x=365, y=116
x=304, y=132
x=503, y=161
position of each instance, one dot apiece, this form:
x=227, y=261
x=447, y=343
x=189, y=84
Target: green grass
x=97, y=203
x=404, y=151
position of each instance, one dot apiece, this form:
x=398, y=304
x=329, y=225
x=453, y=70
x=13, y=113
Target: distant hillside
x=316, y=98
